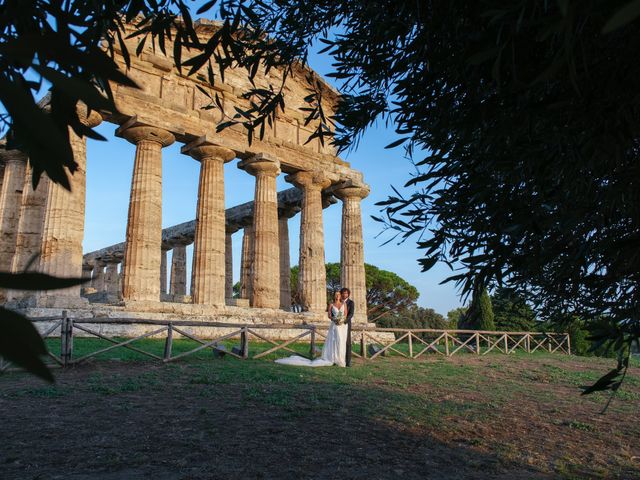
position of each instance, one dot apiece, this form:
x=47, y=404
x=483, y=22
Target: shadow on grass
x=196, y=422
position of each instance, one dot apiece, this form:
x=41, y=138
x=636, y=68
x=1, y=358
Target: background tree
x=415, y=317
x=479, y=316
x=511, y=312
x=455, y=316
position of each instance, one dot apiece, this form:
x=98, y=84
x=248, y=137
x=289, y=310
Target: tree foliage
x=480, y=315
x=455, y=316
x=415, y=317
x=511, y=312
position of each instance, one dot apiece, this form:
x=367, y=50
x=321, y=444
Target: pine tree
x=480, y=314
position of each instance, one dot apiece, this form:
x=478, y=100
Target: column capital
x=307, y=179
x=138, y=133
x=200, y=150
x=351, y=191
x=261, y=164
x=13, y=156
x=231, y=228
x=288, y=211
x=89, y=118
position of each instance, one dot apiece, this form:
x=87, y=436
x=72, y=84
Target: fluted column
x=209, y=240
x=63, y=228
x=178, y=270
x=111, y=279
x=163, y=272
x=144, y=227
x=312, y=277
x=87, y=272
x=99, y=277
x=228, y=265
x=10, y=205
x=352, y=268
x=246, y=262
x=32, y=215
x=285, y=263
x=265, y=289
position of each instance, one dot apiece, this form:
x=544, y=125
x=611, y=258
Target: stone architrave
x=228, y=265
x=285, y=263
x=32, y=215
x=246, y=262
x=144, y=226
x=352, y=248
x=63, y=229
x=111, y=279
x=178, y=284
x=312, y=277
x=209, y=242
x=10, y=205
x=265, y=289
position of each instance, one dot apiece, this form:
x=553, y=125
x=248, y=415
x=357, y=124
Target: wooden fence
x=408, y=343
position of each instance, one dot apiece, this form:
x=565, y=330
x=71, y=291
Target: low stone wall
x=166, y=311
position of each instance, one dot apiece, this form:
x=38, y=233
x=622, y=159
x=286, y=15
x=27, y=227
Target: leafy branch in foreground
x=20, y=342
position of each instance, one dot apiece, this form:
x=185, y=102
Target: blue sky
x=109, y=169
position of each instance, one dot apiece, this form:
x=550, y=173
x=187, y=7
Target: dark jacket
x=351, y=308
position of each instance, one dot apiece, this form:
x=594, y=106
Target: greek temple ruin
x=43, y=229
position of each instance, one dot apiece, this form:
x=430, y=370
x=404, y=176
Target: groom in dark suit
x=345, y=293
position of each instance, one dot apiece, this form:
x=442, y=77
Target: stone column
x=87, y=272
x=32, y=215
x=179, y=270
x=98, y=277
x=10, y=205
x=111, y=279
x=265, y=290
x=312, y=277
x=144, y=227
x=352, y=248
x=63, y=229
x=285, y=262
x=228, y=265
x=246, y=262
x=209, y=240
x=163, y=272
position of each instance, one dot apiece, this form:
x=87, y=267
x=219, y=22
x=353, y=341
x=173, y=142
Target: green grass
x=449, y=396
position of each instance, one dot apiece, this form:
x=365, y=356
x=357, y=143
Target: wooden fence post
x=446, y=343
x=410, y=344
x=549, y=342
x=63, y=339
x=477, y=343
x=66, y=339
x=168, y=343
x=568, y=344
x=527, y=343
x=506, y=343
x=312, y=343
x=244, y=343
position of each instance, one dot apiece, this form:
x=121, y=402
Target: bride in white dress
x=335, y=346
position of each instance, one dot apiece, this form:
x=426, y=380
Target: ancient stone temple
x=133, y=278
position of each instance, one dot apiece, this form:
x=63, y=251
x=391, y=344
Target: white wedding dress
x=334, y=351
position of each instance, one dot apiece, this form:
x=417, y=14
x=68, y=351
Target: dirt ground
x=499, y=419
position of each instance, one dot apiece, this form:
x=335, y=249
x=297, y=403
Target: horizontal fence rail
x=373, y=342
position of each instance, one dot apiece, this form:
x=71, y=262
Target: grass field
x=123, y=415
